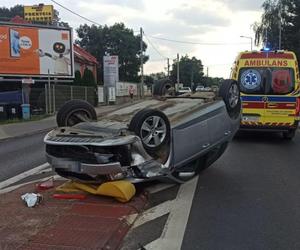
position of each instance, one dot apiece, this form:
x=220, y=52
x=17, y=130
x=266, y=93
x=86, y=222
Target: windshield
x=267, y=81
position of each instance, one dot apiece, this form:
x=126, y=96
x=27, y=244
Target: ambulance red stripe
x=261, y=105
x=269, y=55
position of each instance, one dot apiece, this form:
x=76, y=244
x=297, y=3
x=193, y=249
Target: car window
x=268, y=81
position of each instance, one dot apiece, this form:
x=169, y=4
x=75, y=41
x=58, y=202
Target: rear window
x=267, y=81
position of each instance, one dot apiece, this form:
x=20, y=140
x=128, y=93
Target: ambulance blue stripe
x=251, y=98
x=270, y=99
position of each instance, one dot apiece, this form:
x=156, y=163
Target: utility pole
x=279, y=17
x=207, y=71
x=178, y=81
x=192, y=79
x=168, y=67
x=142, y=64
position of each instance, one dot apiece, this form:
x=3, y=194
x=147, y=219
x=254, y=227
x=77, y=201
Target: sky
x=212, y=28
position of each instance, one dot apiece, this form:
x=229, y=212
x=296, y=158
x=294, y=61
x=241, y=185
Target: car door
x=189, y=139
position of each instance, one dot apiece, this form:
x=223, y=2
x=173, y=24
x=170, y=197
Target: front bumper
x=112, y=168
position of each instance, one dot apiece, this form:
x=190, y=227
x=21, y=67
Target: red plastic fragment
x=45, y=185
x=69, y=196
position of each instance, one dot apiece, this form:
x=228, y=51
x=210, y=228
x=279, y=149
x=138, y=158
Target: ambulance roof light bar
x=266, y=49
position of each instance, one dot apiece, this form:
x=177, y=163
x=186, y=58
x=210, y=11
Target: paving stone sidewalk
x=93, y=223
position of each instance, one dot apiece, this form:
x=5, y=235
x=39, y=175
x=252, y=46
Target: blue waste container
x=26, y=111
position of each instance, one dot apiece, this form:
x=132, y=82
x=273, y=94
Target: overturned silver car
x=166, y=138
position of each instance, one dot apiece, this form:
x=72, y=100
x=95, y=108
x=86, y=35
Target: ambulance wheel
x=230, y=93
x=153, y=127
x=289, y=135
x=74, y=112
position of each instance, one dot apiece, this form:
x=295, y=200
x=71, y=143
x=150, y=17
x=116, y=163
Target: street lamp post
x=248, y=37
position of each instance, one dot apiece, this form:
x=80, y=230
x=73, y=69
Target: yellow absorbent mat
x=123, y=191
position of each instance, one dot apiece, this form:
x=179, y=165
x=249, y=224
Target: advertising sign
x=40, y=13
x=110, y=70
x=35, y=51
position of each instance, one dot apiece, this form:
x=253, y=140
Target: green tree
x=158, y=75
x=88, y=78
x=210, y=81
x=267, y=30
x=77, y=79
x=7, y=13
x=190, y=71
x=113, y=40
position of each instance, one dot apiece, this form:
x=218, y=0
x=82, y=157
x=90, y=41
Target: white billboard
x=110, y=70
x=27, y=50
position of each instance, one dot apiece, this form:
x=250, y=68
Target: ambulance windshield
x=267, y=81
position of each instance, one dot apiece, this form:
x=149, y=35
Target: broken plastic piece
x=123, y=191
x=32, y=199
x=46, y=184
x=69, y=196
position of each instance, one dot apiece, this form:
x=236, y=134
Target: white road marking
x=153, y=213
x=23, y=175
x=11, y=188
x=173, y=233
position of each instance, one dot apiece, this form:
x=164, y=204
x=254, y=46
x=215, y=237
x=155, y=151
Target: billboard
x=35, y=51
x=110, y=70
x=40, y=13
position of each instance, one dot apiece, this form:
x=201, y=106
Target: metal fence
x=49, y=99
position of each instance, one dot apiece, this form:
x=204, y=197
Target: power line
x=73, y=12
x=196, y=43
x=154, y=47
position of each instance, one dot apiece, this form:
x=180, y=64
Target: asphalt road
x=21, y=154
x=250, y=198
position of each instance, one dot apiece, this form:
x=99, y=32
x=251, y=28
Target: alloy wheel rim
x=153, y=131
x=233, y=95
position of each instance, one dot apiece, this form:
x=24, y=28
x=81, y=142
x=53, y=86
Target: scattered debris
x=69, y=196
x=46, y=184
x=123, y=191
x=32, y=199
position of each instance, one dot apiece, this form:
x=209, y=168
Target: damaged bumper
x=97, y=160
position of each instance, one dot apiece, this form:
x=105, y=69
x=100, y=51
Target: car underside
x=165, y=138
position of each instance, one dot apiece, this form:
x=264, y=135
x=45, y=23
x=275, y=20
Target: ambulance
x=269, y=85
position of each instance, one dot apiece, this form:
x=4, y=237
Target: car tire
x=289, y=135
x=153, y=127
x=74, y=112
x=230, y=93
x=160, y=87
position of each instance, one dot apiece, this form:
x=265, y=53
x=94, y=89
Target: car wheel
x=74, y=112
x=161, y=87
x=289, y=135
x=230, y=93
x=153, y=127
